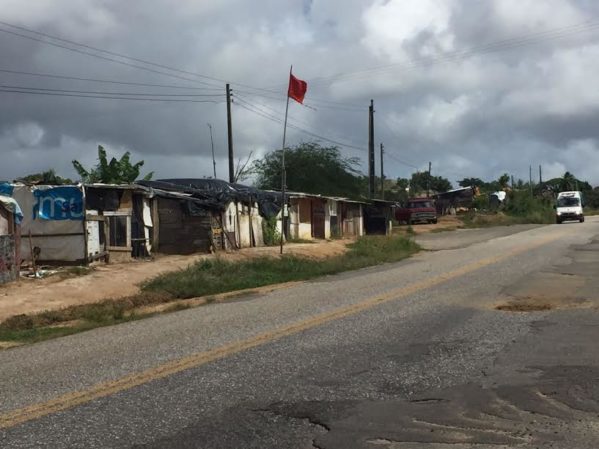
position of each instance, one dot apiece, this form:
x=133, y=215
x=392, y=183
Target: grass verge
x=215, y=276
x=202, y=279
x=520, y=208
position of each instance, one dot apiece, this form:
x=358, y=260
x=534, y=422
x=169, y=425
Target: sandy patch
x=123, y=279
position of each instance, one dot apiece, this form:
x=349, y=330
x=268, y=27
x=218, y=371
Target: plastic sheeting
x=58, y=240
x=13, y=207
x=216, y=193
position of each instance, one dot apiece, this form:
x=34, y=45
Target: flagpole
x=283, y=171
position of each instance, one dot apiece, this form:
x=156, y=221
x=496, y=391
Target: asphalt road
x=408, y=355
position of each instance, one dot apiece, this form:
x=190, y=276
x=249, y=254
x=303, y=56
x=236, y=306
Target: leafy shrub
x=270, y=233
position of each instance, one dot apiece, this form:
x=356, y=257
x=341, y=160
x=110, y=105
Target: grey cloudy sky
x=477, y=88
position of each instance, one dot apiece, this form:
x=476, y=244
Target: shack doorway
x=318, y=219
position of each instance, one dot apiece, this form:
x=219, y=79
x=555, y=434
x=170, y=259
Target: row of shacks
x=79, y=224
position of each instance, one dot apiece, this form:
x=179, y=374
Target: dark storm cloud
x=499, y=109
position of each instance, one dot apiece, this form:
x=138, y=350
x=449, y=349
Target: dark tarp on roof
x=455, y=198
x=216, y=193
x=102, y=199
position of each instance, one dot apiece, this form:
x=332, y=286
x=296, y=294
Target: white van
x=569, y=207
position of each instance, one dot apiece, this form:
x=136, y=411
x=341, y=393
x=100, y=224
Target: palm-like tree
x=568, y=182
x=114, y=172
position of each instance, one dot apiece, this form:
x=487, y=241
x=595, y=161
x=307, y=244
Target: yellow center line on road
x=70, y=400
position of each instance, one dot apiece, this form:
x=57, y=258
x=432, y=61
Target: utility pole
x=371, y=150
x=428, y=181
x=212, y=145
x=530, y=178
x=512, y=182
x=230, y=136
x=540, y=175
x=382, y=173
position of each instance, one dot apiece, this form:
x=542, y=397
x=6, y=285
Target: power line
x=386, y=125
x=62, y=94
x=119, y=55
x=108, y=52
x=272, y=110
x=506, y=44
x=496, y=46
x=278, y=120
x=320, y=103
x=395, y=158
x=305, y=131
x=108, y=93
x=96, y=80
x=105, y=58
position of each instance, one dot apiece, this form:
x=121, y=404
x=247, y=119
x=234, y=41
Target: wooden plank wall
x=181, y=233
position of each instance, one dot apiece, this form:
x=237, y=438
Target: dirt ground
x=446, y=223
x=123, y=279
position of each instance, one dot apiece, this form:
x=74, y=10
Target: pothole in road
x=524, y=306
x=541, y=304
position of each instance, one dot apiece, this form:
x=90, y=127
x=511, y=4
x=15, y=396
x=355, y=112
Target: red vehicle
x=417, y=210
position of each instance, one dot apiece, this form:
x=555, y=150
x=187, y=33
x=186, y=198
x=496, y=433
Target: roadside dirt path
x=445, y=223
x=119, y=280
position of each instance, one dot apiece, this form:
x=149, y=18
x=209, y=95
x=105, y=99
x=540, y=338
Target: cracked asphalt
x=434, y=365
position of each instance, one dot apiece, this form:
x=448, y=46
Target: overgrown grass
x=69, y=320
x=204, y=278
x=35, y=334
x=521, y=205
x=212, y=276
x=520, y=208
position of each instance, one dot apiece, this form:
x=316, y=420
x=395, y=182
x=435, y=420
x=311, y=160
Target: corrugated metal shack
x=314, y=216
x=53, y=225
x=10, y=216
x=454, y=199
x=378, y=217
x=118, y=220
x=77, y=224
x=199, y=215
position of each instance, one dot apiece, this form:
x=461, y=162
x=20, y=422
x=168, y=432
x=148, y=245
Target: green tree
x=471, y=182
x=568, y=182
x=504, y=181
x=48, y=177
x=311, y=168
x=120, y=171
x=403, y=183
x=592, y=198
x=422, y=181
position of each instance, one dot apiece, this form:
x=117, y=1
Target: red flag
x=297, y=89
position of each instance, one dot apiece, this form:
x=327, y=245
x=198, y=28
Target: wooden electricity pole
x=371, y=150
x=530, y=178
x=382, y=173
x=428, y=181
x=230, y=137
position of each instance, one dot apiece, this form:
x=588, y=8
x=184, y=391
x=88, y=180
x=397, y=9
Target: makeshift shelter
x=77, y=224
x=10, y=217
x=209, y=214
x=378, y=217
x=314, y=216
x=53, y=225
x=454, y=199
x=119, y=223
